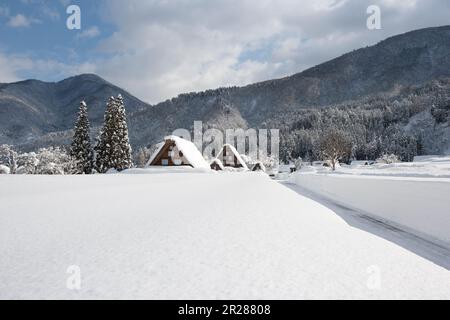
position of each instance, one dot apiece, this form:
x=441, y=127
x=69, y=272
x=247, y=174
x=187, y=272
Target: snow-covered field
x=434, y=167
x=413, y=196
x=192, y=235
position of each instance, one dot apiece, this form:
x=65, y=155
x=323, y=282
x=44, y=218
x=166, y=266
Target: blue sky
x=36, y=29
x=157, y=49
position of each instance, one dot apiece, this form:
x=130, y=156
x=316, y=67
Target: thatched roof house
x=217, y=165
x=259, y=166
x=231, y=158
x=175, y=151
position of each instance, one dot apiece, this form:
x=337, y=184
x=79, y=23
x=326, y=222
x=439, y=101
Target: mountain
x=386, y=69
x=34, y=113
x=31, y=109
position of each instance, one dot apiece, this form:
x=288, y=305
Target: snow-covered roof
x=261, y=165
x=159, y=146
x=189, y=150
x=236, y=154
x=218, y=162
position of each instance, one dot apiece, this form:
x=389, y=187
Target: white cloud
x=328, y=4
x=163, y=48
x=404, y=4
x=13, y=66
x=8, y=73
x=50, y=12
x=20, y=20
x=91, y=32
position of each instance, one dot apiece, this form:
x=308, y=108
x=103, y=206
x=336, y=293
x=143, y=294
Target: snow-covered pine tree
x=103, y=157
x=81, y=150
x=122, y=151
x=113, y=147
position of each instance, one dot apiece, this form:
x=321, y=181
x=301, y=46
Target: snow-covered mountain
x=41, y=113
x=33, y=109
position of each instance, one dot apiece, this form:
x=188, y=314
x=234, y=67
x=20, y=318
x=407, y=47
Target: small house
x=231, y=158
x=259, y=166
x=217, y=165
x=176, y=151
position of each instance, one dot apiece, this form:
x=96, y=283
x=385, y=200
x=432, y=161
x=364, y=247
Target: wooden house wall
x=164, y=155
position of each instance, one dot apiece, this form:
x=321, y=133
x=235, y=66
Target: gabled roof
x=261, y=166
x=159, y=146
x=236, y=154
x=218, y=162
x=189, y=150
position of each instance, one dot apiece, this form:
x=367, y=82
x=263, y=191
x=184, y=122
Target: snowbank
x=419, y=205
x=165, y=170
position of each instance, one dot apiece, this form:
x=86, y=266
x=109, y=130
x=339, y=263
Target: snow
x=411, y=195
x=159, y=146
x=418, y=205
x=362, y=162
x=167, y=169
x=432, y=167
x=218, y=162
x=192, y=235
x=432, y=159
x=4, y=169
x=285, y=168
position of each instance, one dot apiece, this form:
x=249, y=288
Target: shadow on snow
x=422, y=247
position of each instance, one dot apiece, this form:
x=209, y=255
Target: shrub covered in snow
x=388, y=159
x=8, y=158
x=298, y=164
x=27, y=163
x=46, y=161
x=4, y=169
x=269, y=161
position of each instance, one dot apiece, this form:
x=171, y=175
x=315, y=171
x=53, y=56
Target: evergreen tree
x=81, y=150
x=113, y=147
x=122, y=150
x=104, y=141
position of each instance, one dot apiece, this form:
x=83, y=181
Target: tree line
x=370, y=129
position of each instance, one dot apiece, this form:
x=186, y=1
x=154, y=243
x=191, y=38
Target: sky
x=157, y=49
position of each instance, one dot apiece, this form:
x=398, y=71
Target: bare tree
x=142, y=156
x=335, y=145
